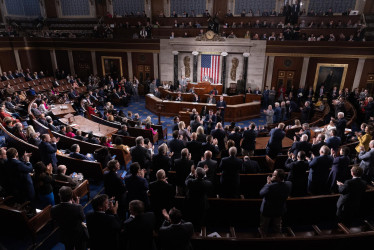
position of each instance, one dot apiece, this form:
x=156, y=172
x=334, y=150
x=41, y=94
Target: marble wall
x=234, y=48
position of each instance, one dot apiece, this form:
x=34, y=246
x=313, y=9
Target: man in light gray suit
x=367, y=162
x=211, y=99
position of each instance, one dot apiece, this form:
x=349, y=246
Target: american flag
x=210, y=67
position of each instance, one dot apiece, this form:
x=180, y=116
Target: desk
x=60, y=110
x=238, y=112
x=86, y=125
x=204, y=87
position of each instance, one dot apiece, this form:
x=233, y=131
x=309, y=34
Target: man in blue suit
x=221, y=105
x=319, y=170
x=334, y=142
x=277, y=113
x=18, y=178
x=367, y=162
x=48, y=149
x=274, y=146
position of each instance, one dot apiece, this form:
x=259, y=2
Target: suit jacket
x=53, y=127
x=104, y=230
x=297, y=175
x=140, y=155
x=340, y=128
x=230, y=179
x=367, y=162
x=182, y=169
x=301, y=146
x=78, y=156
x=138, y=232
x=221, y=105
x=319, y=170
x=249, y=139
x=160, y=161
x=208, y=146
x=161, y=196
x=340, y=171
x=212, y=169
x=18, y=180
x=213, y=100
x=236, y=137
x=276, y=137
x=250, y=167
x=48, y=153
x=176, y=236
x=274, y=198
x=195, y=148
x=316, y=147
x=69, y=218
x=334, y=142
x=220, y=135
x=351, y=195
x=176, y=146
x=114, y=186
x=137, y=188
x=197, y=193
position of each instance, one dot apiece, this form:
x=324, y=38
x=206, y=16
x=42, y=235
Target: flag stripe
x=210, y=67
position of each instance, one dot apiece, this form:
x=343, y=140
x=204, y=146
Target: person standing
x=274, y=196
x=48, y=149
x=269, y=115
x=297, y=173
x=221, y=105
x=135, y=87
x=230, y=168
x=274, y=145
x=70, y=218
x=367, y=162
x=248, y=143
x=351, y=194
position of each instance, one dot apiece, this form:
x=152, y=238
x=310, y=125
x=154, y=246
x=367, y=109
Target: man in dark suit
x=334, y=142
x=137, y=185
x=51, y=126
x=161, y=160
x=297, y=173
x=161, y=196
x=249, y=140
x=318, y=143
x=211, y=145
x=250, y=166
x=138, y=229
x=195, y=123
x=275, y=193
x=305, y=112
x=18, y=182
x=195, y=148
x=48, y=149
x=209, y=121
x=302, y=145
x=174, y=232
x=175, y=125
x=75, y=153
x=274, y=146
x=140, y=154
x=340, y=125
x=70, y=217
x=123, y=131
x=319, y=170
x=236, y=136
x=219, y=134
x=198, y=188
x=230, y=168
x=221, y=105
x=211, y=99
x=182, y=169
x=175, y=146
x=351, y=194
x=103, y=224
x=209, y=166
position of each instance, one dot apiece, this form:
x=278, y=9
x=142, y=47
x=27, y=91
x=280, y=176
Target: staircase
x=369, y=18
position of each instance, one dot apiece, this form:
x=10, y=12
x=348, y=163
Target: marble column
x=245, y=66
x=129, y=65
x=304, y=72
x=269, y=73
x=71, y=62
x=94, y=64
x=360, y=67
x=53, y=59
x=175, y=53
x=155, y=65
x=223, y=72
x=18, y=61
x=194, y=53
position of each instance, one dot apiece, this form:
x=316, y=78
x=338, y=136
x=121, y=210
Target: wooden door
x=157, y=6
x=370, y=84
x=50, y=9
x=101, y=8
x=220, y=7
x=285, y=78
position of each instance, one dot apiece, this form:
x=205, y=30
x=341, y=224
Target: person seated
x=92, y=139
x=78, y=136
x=123, y=131
x=75, y=153
x=69, y=132
x=148, y=127
x=61, y=176
x=119, y=145
x=179, y=97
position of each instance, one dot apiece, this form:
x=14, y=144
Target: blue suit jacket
x=48, y=153
x=334, y=143
x=276, y=137
x=274, y=198
x=19, y=179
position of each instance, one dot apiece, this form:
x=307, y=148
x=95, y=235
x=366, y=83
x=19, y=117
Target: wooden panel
x=367, y=70
x=82, y=64
x=50, y=9
x=142, y=59
x=101, y=8
x=45, y=62
x=352, y=66
x=7, y=60
x=123, y=55
x=369, y=7
x=284, y=64
x=29, y=60
x=63, y=60
x=220, y=6
x=157, y=7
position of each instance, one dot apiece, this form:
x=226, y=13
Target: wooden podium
x=202, y=88
x=159, y=109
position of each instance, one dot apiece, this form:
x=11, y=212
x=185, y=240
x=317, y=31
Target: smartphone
x=114, y=156
x=124, y=174
x=74, y=175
